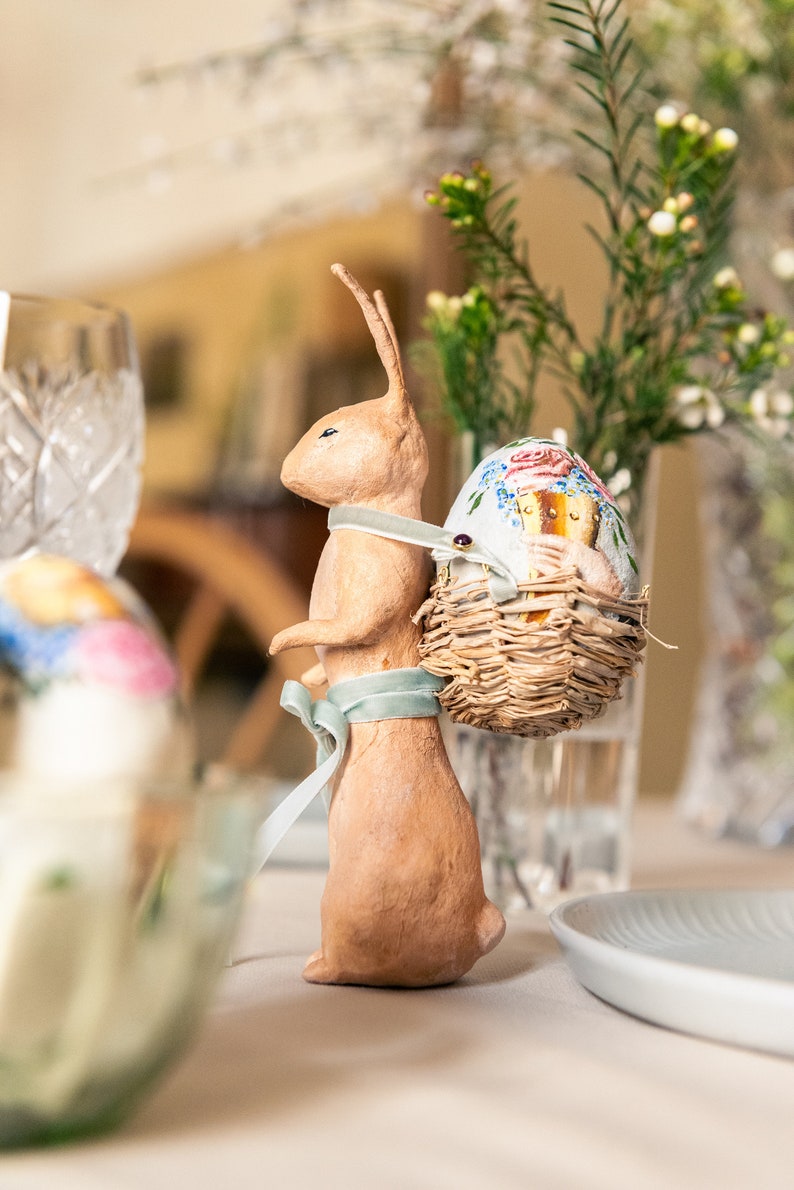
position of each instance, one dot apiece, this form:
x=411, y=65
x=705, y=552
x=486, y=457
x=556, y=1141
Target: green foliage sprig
x=680, y=348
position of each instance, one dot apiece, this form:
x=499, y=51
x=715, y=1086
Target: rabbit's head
x=373, y=453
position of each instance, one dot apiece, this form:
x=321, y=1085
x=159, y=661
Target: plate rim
x=665, y=990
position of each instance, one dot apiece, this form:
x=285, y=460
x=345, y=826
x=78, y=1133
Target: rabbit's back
x=377, y=586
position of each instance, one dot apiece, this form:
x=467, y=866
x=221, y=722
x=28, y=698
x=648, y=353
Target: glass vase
x=71, y=430
x=739, y=779
x=554, y=815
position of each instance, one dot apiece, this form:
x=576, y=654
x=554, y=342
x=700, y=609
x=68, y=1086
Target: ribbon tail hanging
x=288, y=811
x=328, y=725
x=396, y=694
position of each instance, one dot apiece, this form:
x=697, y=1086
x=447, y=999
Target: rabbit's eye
x=327, y=433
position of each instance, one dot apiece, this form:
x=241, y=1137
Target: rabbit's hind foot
x=490, y=927
x=317, y=969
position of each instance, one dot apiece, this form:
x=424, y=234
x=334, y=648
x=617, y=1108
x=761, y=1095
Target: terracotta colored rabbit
x=404, y=903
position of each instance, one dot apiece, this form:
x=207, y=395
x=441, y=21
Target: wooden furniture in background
x=226, y=576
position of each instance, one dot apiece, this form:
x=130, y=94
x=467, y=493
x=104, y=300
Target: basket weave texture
x=543, y=663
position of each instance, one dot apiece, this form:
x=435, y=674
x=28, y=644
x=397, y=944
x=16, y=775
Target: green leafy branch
x=680, y=348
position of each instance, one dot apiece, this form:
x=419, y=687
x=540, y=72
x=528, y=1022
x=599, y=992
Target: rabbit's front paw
x=315, y=677
x=288, y=638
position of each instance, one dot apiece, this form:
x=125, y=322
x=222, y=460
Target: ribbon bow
x=445, y=546
x=395, y=694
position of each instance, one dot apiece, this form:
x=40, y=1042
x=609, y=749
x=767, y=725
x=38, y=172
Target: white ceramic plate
x=714, y=964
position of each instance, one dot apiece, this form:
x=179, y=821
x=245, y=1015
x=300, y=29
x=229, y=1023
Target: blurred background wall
x=137, y=195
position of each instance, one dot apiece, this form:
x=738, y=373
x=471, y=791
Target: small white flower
x=759, y=403
x=783, y=264
x=727, y=278
x=697, y=406
x=690, y=122
x=689, y=410
x=436, y=300
x=748, y=334
x=715, y=414
x=725, y=140
x=772, y=410
x=620, y=482
x=778, y=402
x=666, y=116
x=662, y=223
x=560, y=434
x=781, y=402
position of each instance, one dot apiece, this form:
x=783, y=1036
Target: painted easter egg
x=90, y=688
x=554, y=652
x=535, y=488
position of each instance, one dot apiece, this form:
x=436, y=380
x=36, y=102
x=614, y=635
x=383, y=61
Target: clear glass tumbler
x=553, y=815
x=71, y=430
x=118, y=905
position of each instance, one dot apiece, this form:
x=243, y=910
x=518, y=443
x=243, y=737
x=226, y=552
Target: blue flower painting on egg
x=536, y=486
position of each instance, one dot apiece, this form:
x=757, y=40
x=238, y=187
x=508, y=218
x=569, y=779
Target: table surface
x=515, y=1077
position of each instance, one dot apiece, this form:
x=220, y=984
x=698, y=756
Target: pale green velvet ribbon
x=501, y=581
x=392, y=694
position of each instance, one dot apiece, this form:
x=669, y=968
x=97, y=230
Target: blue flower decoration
x=33, y=650
x=492, y=476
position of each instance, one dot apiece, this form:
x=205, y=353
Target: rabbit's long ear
x=382, y=331
x=383, y=310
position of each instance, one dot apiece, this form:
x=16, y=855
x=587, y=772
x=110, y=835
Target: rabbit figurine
x=404, y=903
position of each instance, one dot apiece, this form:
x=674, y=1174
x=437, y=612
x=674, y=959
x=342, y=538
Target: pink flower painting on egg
x=543, y=464
x=122, y=654
x=539, y=465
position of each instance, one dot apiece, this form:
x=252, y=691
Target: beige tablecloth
x=514, y=1078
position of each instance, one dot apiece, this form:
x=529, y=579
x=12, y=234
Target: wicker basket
x=541, y=664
